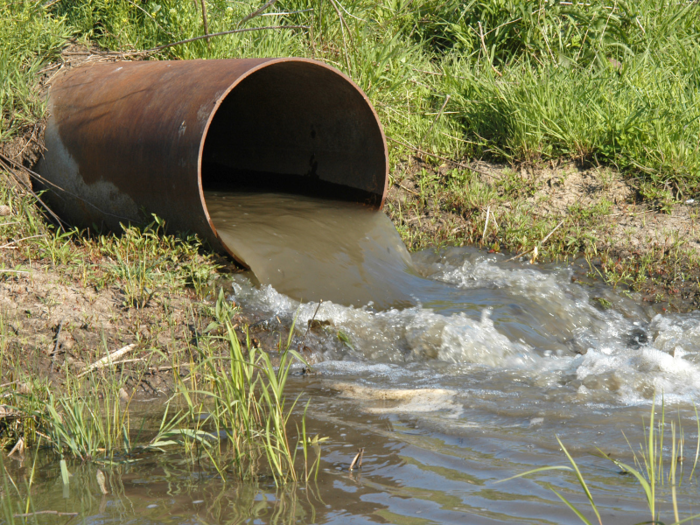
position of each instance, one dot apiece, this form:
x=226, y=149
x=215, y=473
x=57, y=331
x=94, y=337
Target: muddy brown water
x=314, y=249
x=461, y=372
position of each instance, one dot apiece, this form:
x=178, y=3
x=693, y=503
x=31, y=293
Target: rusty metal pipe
x=128, y=139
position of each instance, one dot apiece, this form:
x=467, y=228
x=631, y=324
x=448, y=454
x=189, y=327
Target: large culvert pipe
x=128, y=139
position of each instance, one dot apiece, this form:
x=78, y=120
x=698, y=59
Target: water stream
x=453, y=369
x=476, y=355
x=315, y=249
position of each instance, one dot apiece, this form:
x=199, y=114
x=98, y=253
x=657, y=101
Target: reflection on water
x=417, y=469
x=153, y=490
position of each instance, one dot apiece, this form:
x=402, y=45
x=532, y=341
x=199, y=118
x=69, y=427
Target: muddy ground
x=53, y=320
x=633, y=244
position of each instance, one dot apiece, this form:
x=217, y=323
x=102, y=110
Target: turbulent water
x=452, y=312
x=471, y=355
x=477, y=378
x=466, y=380
x=510, y=330
x=314, y=249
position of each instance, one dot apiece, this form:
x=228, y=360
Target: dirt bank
x=584, y=212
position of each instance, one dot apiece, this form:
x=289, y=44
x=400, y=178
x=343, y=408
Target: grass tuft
x=654, y=468
x=230, y=412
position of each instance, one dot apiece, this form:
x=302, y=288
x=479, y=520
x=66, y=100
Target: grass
x=29, y=38
x=142, y=261
x=240, y=395
x=510, y=80
x=229, y=411
x=655, y=468
x=145, y=261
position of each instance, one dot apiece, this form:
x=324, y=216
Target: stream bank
x=67, y=298
x=81, y=281
x=74, y=281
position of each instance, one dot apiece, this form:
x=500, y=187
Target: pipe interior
x=296, y=127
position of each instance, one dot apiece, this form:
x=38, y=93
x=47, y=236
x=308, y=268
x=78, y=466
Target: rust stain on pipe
x=128, y=139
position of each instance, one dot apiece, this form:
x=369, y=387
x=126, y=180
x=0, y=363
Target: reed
x=232, y=412
x=239, y=406
x=655, y=467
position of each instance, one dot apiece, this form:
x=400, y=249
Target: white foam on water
x=674, y=332
x=627, y=356
x=345, y=368
x=407, y=335
x=402, y=400
x=548, y=291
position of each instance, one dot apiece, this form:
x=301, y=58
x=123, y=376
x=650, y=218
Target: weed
x=651, y=469
x=29, y=37
x=233, y=411
x=240, y=396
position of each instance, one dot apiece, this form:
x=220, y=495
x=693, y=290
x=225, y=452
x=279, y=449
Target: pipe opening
x=296, y=127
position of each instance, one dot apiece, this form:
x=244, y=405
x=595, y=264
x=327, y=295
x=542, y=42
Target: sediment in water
x=315, y=249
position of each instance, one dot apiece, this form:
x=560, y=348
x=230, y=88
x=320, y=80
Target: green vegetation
x=228, y=410
x=141, y=262
x=656, y=468
x=29, y=37
x=511, y=80
x=504, y=210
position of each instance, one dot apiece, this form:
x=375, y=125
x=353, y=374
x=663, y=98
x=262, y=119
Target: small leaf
x=574, y=509
x=211, y=326
x=65, y=475
x=345, y=339
x=102, y=482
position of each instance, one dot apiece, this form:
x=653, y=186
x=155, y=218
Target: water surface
x=479, y=366
x=461, y=372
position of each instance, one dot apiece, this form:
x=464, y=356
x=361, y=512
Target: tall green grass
x=29, y=38
x=230, y=413
x=239, y=397
x=521, y=81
